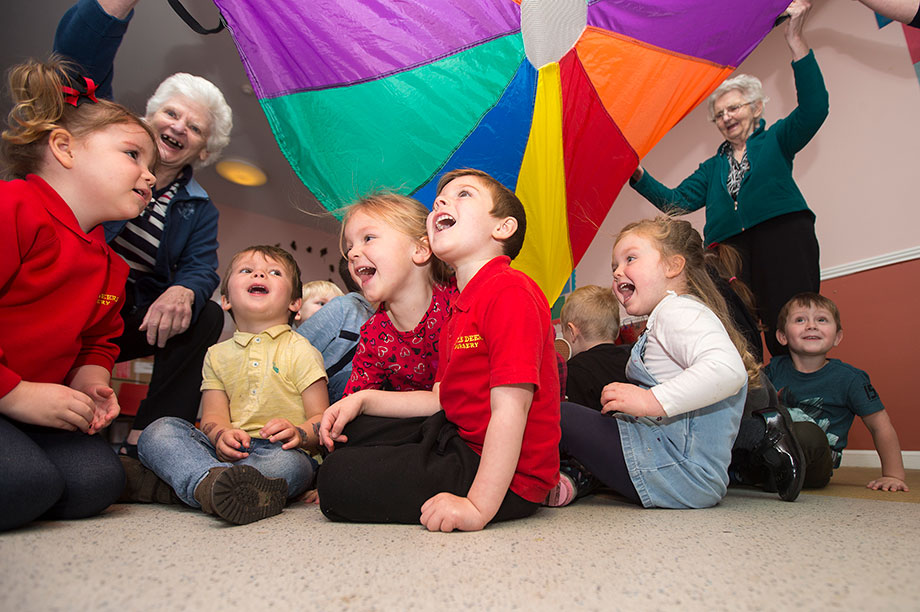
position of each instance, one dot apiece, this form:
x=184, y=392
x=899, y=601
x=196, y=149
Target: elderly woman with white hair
x=751, y=199
x=171, y=247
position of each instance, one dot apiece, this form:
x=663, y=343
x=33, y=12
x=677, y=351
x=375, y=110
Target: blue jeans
x=182, y=455
x=54, y=474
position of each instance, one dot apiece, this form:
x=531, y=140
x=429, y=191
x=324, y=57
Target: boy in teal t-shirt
x=830, y=392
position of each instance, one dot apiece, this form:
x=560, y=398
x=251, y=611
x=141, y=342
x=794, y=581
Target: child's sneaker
x=574, y=482
x=562, y=494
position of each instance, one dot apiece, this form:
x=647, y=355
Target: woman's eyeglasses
x=730, y=110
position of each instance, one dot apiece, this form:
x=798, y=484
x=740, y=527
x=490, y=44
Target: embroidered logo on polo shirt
x=467, y=342
x=871, y=393
x=107, y=299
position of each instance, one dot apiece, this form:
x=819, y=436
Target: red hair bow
x=76, y=97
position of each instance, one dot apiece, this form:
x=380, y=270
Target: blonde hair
x=39, y=108
x=319, y=288
x=594, y=311
x=677, y=237
x=404, y=214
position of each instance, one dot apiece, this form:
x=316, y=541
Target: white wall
x=857, y=174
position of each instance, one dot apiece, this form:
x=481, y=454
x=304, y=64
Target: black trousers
x=175, y=386
x=390, y=467
x=779, y=258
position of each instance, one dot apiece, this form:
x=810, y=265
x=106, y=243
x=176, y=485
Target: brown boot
x=205, y=488
x=241, y=494
x=143, y=485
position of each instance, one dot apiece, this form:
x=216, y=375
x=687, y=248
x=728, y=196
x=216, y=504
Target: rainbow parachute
x=558, y=99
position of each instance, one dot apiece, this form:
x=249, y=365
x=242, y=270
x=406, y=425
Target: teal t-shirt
x=830, y=397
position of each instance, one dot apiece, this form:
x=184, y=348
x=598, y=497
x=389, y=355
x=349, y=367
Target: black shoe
x=781, y=454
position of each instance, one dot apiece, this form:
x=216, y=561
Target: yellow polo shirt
x=263, y=375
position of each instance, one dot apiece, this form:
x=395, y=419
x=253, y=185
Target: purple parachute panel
x=721, y=31
x=287, y=49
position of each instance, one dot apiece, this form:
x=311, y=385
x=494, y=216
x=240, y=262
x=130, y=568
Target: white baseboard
x=869, y=458
x=872, y=262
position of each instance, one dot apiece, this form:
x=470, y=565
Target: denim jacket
x=682, y=461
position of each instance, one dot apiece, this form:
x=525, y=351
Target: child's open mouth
x=365, y=273
x=259, y=289
x=626, y=290
x=443, y=222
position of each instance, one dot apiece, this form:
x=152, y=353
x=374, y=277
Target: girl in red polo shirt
x=76, y=162
x=385, y=241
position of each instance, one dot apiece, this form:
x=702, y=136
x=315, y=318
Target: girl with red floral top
x=385, y=241
x=76, y=162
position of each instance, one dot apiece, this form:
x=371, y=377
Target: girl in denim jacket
x=663, y=440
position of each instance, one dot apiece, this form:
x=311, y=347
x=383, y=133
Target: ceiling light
x=241, y=172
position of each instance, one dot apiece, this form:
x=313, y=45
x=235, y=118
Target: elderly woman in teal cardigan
x=752, y=202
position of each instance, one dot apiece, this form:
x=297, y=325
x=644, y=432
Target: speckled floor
x=752, y=552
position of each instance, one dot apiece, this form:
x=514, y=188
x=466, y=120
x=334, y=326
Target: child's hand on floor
x=229, y=444
x=630, y=399
x=49, y=405
x=282, y=430
x=888, y=483
x=446, y=512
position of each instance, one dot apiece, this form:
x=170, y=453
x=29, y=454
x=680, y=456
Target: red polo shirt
x=500, y=333
x=61, y=289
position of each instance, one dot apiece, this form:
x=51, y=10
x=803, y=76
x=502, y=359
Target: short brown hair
x=807, y=299
x=594, y=310
x=269, y=252
x=39, y=108
x=504, y=204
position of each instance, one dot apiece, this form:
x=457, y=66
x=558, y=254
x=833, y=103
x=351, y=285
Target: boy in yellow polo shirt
x=262, y=392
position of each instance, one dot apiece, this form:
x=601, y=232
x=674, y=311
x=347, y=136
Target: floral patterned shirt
x=393, y=360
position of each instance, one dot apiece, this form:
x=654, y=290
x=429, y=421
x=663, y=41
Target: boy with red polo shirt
x=482, y=445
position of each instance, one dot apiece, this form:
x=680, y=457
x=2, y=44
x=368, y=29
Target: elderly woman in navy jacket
x=172, y=246
x=752, y=202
